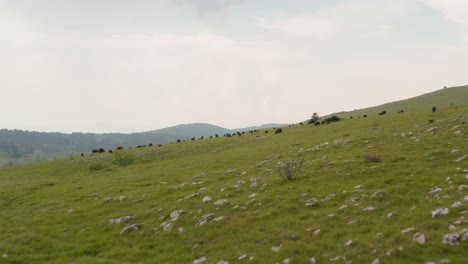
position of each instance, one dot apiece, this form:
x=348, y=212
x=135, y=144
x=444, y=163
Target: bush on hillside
x=96, y=167
x=124, y=159
x=289, y=170
x=373, y=158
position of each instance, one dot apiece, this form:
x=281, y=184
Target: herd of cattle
x=328, y=120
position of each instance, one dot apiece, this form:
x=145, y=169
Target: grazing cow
x=120, y=148
x=434, y=109
x=110, y=151
x=193, y=139
x=101, y=150
x=141, y=146
x=317, y=123
x=279, y=130
x=301, y=123
x=384, y=112
x=364, y=116
x=82, y=154
x=266, y=131
x=239, y=134
x=216, y=135
x=150, y=144
x=159, y=145
x=178, y=141
x=201, y=137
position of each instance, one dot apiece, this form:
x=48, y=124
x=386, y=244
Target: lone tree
x=315, y=118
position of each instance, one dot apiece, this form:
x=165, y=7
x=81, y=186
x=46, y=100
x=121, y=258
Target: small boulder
x=420, y=238
x=221, y=202
x=130, y=228
x=451, y=239
x=206, y=199
x=199, y=260
x=439, y=211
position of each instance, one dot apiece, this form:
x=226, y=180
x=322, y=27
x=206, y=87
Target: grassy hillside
x=446, y=98
x=366, y=187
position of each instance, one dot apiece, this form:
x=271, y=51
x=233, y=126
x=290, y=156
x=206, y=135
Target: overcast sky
x=133, y=66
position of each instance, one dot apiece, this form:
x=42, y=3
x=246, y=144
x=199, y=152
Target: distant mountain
x=265, y=126
x=17, y=146
x=192, y=130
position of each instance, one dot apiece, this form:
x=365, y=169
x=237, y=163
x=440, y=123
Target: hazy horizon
x=121, y=67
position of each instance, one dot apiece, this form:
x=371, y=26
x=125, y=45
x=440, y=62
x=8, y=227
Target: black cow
x=384, y=112
x=279, y=130
x=95, y=151
x=101, y=150
x=266, y=131
x=82, y=154
x=110, y=151
x=434, y=109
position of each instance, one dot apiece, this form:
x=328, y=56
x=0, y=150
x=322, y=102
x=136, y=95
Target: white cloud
x=453, y=10
x=300, y=26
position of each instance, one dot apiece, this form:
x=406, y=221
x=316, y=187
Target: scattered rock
x=253, y=185
x=206, y=199
x=358, y=186
x=312, y=260
x=122, y=197
x=242, y=257
x=451, y=239
x=436, y=190
x=343, y=207
x=181, y=230
x=452, y=228
x=462, y=187
x=370, y=208
x=223, y=262
x=311, y=205
x=276, y=248
x=130, y=228
x=378, y=193
x=253, y=195
x=205, y=219
x=465, y=237
x=316, y=232
x=176, y=214
x=199, y=260
x=200, y=175
x=420, y=238
x=287, y=261
x=391, y=214
x=461, y=158
x=167, y=226
x=457, y=204
x=376, y=261
x=439, y=211
x=407, y=230
x=108, y=200
x=5, y=256
x=229, y=171
x=218, y=219
x=348, y=243
x=221, y=202
x=121, y=219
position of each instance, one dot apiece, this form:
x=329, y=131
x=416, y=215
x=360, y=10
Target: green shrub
x=96, y=167
x=373, y=158
x=289, y=170
x=124, y=159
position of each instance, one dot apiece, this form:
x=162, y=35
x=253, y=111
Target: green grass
x=55, y=212
x=453, y=98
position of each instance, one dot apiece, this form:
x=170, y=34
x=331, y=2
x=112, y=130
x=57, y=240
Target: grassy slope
x=450, y=97
x=55, y=212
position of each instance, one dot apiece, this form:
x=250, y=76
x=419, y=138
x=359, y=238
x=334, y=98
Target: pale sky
x=133, y=66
